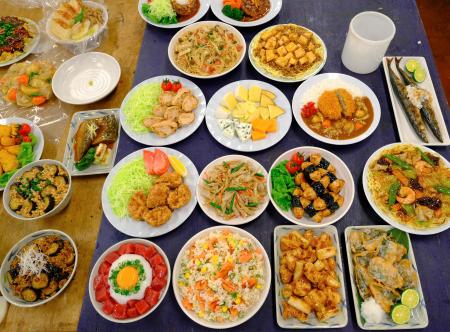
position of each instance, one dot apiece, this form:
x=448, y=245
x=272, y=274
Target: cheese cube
x=254, y=94
x=229, y=101
x=243, y=131
x=229, y=131
x=224, y=123
x=263, y=112
x=275, y=111
x=222, y=113
x=241, y=93
x=265, y=101
x=268, y=94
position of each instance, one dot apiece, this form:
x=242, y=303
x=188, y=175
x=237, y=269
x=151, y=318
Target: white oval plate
x=285, y=79
x=177, y=268
x=342, y=172
x=39, y=147
x=298, y=102
x=86, y=78
x=7, y=292
x=284, y=121
x=83, y=42
x=385, y=217
x=98, y=306
x=204, y=6
x=209, y=211
x=195, y=26
x=131, y=227
x=275, y=7
x=151, y=139
x=30, y=48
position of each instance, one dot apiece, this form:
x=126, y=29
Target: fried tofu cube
x=262, y=54
x=307, y=34
x=299, y=52
x=289, y=56
x=291, y=47
x=14, y=149
x=283, y=40
x=293, y=61
x=7, y=141
x=303, y=40
x=282, y=61
x=5, y=130
x=281, y=51
x=293, y=36
x=270, y=55
x=303, y=60
x=267, y=34
x=311, y=56
x=270, y=44
x=311, y=46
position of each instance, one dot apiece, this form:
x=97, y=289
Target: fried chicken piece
x=157, y=196
x=179, y=197
x=157, y=216
x=170, y=179
x=137, y=206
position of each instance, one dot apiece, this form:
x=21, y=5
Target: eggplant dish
x=39, y=190
x=41, y=268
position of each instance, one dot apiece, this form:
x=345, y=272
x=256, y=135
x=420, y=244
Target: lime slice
x=419, y=75
x=177, y=165
x=400, y=314
x=411, y=65
x=410, y=298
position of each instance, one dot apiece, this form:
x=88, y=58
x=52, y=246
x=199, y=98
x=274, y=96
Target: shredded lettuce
x=282, y=186
x=140, y=105
x=130, y=178
x=160, y=11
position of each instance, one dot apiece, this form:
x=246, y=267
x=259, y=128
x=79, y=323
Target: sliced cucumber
x=400, y=314
x=410, y=298
x=411, y=65
x=419, y=75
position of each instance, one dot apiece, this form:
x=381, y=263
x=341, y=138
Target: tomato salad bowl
x=129, y=280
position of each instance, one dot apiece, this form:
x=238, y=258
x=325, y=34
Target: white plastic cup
x=368, y=38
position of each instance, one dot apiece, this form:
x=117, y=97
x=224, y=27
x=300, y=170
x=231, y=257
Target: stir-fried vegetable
x=398, y=161
x=393, y=190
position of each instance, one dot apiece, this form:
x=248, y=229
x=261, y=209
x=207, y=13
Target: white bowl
x=342, y=172
x=254, y=309
x=275, y=7
x=204, y=6
x=387, y=218
x=98, y=306
x=297, y=104
x=209, y=211
x=86, y=78
x=57, y=209
x=195, y=26
x=86, y=40
x=35, y=130
x=7, y=292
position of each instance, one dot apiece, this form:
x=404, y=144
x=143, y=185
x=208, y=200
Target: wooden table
x=82, y=217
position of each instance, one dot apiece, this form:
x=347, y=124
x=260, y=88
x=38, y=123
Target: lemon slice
x=177, y=165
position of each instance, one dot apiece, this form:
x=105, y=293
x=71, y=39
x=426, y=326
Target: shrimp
x=422, y=167
x=406, y=195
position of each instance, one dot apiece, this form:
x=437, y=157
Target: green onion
x=237, y=168
x=215, y=205
x=235, y=188
x=398, y=161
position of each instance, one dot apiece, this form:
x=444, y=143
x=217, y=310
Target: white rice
x=313, y=93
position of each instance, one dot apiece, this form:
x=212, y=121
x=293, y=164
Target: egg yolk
x=127, y=277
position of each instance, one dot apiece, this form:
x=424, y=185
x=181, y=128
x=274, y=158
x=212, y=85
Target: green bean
x=425, y=157
x=215, y=205
x=409, y=209
x=252, y=204
x=393, y=190
x=237, y=168
x=443, y=190
x=235, y=188
x=229, y=209
x=398, y=161
x=259, y=175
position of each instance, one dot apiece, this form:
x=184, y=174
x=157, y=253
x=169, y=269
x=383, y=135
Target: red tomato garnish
x=309, y=109
x=151, y=296
x=149, y=253
x=104, y=268
x=158, y=284
x=139, y=249
x=142, y=307
x=298, y=158
x=108, y=307
x=127, y=248
x=160, y=271
x=161, y=162
x=101, y=295
x=149, y=158
x=98, y=282
x=132, y=312
x=132, y=303
x=292, y=167
x=25, y=129
x=156, y=260
x=166, y=85
x=111, y=257
x=176, y=85
x=119, y=311
x=26, y=139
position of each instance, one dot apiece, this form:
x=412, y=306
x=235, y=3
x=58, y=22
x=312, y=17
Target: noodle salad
x=222, y=276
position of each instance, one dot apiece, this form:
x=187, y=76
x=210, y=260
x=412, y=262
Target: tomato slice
x=127, y=248
x=158, y=283
x=151, y=296
x=156, y=260
x=132, y=312
x=120, y=311
x=142, y=307
x=111, y=257
x=108, y=307
x=149, y=253
x=139, y=249
x=98, y=281
x=101, y=295
x=161, y=162
x=149, y=159
x=105, y=281
x=160, y=271
x=104, y=268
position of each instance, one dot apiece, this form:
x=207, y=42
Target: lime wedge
x=400, y=314
x=410, y=298
x=177, y=165
x=411, y=65
x=419, y=75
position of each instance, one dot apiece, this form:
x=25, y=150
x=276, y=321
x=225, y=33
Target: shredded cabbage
x=130, y=178
x=160, y=11
x=140, y=105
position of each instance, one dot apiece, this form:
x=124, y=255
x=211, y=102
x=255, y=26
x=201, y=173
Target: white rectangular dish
x=338, y=321
x=419, y=316
x=68, y=159
x=405, y=130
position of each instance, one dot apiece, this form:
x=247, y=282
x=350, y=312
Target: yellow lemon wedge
x=177, y=165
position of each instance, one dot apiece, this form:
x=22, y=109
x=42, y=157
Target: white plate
x=131, y=227
x=339, y=320
x=419, y=318
x=86, y=78
x=342, y=172
x=151, y=139
x=284, y=120
x=6, y=290
x=68, y=159
x=195, y=26
x=385, y=217
x=39, y=147
x=98, y=306
x=405, y=130
x=209, y=211
x=270, y=76
x=73, y=44
x=297, y=104
x=177, y=268
x=30, y=48
x=275, y=7
x=204, y=6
